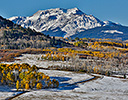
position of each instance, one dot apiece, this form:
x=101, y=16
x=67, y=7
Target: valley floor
x=101, y=89
x=104, y=88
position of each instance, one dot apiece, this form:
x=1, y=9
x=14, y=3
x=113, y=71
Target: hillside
x=112, y=32
x=13, y=36
x=69, y=22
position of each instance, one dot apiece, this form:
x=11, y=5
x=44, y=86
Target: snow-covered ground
x=106, y=88
x=35, y=59
x=6, y=92
x=101, y=89
x=64, y=78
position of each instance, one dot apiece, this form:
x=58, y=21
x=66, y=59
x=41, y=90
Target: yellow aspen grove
x=27, y=76
x=17, y=85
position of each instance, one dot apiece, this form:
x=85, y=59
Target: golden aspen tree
x=65, y=53
x=50, y=57
x=17, y=85
x=55, y=53
x=57, y=83
x=127, y=44
x=12, y=77
x=62, y=58
x=57, y=56
x=8, y=76
x=95, y=69
x=39, y=86
x=34, y=82
x=54, y=83
x=4, y=77
x=51, y=52
x=49, y=84
x=21, y=75
x=22, y=84
x=26, y=85
x=54, y=58
x=2, y=80
x=38, y=77
x=42, y=57
x=47, y=77
x=43, y=76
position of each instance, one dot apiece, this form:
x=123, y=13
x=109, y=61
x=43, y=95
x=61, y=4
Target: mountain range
x=71, y=23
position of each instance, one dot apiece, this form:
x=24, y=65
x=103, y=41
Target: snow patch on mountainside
x=112, y=31
x=13, y=18
x=108, y=23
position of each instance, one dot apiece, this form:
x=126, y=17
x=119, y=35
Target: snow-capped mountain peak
x=60, y=22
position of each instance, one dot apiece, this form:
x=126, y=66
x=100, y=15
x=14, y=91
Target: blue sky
x=113, y=10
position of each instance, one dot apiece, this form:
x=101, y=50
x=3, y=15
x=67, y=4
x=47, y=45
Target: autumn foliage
x=23, y=76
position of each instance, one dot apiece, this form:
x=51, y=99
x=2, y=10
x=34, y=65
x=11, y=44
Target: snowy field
x=69, y=77
x=105, y=88
x=64, y=78
x=101, y=89
x=35, y=59
x=6, y=92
